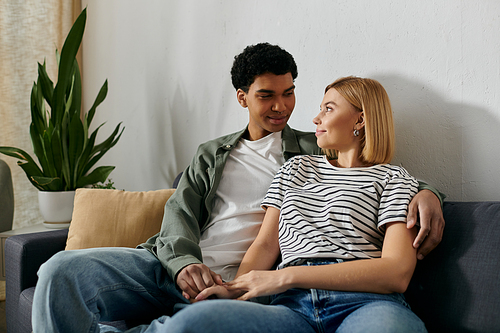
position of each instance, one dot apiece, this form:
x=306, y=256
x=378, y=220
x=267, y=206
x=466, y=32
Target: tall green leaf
x=45, y=83
x=38, y=146
x=98, y=100
x=103, y=147
x=75, y=147
x=37, y=109
x=76, y=104
x=68, y=55
x=57, y=155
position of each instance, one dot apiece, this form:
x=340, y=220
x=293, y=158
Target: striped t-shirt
x=331, y=212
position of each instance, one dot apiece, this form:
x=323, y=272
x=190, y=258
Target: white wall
x=168, y=65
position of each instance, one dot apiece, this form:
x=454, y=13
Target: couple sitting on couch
x=339, y=221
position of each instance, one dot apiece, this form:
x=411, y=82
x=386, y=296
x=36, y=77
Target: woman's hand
x=258, y=283
x=218, y=291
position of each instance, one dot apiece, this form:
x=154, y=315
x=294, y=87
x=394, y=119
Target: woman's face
x=336, y=122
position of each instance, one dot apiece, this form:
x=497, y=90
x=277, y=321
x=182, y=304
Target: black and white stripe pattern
x=330, y=212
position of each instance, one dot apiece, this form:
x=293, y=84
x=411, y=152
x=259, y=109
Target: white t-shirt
x=236, y=215
x=330, y=212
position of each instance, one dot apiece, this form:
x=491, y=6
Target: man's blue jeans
x=77, y=289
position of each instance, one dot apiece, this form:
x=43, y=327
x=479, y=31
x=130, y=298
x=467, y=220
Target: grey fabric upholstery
x=455, y=289
x=6, y=197
x=24, y=254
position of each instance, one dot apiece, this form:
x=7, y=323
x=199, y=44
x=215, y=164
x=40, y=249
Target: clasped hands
x=198, y=282
x=246, y=286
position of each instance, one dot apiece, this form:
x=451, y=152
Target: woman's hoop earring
x=356, y=132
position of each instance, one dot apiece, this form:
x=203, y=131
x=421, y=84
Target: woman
x=338, y=222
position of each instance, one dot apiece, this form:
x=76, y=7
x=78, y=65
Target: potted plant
x=59, y=131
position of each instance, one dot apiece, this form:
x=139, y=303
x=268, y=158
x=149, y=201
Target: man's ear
x=241, y=96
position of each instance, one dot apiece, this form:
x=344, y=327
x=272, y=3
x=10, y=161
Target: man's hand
x=426, y=206
x=194, y=278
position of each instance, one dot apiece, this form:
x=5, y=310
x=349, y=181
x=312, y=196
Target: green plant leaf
x=75, y=147
x=39, y=147
x=51, y=170
x=103, y=147
x=110, y=141
x=28, y=170
x=69, y=101
x=19, y=154
x=98, y=175
x=47, y=86
x=86, y=154
x=76, y=105
x=29, y=166
x=98, y=100
x=47, y=183
x=66, y=169
x=68, y=56
x=36, y=113
x=37, y=109
x=57, y=156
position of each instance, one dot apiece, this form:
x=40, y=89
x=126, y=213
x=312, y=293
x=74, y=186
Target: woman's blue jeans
x=296, y=310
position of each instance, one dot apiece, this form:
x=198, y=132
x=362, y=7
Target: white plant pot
x=56, y=208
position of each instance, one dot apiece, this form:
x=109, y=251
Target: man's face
x=270, y=101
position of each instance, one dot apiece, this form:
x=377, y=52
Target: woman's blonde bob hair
x=377, y=137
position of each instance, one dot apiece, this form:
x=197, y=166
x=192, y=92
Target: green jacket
x=188, y=209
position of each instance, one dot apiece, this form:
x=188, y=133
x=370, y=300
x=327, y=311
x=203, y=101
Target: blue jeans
x=77, y=289
x=296, y=310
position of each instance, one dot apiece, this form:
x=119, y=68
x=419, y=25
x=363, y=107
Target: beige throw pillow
x=104, y=218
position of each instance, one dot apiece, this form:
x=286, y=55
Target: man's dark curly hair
x=259, y=59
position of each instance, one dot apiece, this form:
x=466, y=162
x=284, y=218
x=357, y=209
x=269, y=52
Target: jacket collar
x=289, y=141
x=288, y=137
x=231, y=140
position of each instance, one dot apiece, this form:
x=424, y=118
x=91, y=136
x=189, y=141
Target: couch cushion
x=104, y=218
x=456, y=288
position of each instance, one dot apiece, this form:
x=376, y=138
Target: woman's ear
x=241, y=96
x=361, y=121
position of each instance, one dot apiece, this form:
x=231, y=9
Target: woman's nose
x=316, y=120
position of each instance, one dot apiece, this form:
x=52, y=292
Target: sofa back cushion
x=104, y=217
x=456, y=288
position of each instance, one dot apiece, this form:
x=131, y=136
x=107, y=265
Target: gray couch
x=455, y=289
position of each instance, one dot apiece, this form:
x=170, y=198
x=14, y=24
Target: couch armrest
x=24, y=254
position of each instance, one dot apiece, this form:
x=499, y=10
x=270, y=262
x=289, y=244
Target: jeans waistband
x=315, y=261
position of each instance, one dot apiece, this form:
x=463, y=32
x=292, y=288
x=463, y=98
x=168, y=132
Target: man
x=209, y=222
